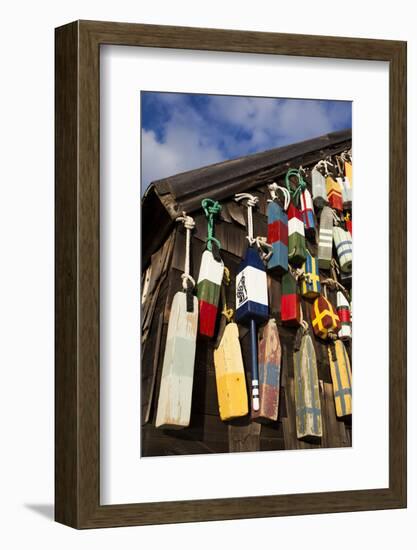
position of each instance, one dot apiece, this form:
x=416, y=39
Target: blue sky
x=185, y=131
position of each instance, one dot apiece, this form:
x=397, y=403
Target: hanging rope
x=301, y=186
x=334, y=285
x=296, y=272
x=347, y=156
x=273, y=188
x=336, y=218
x=303, y=323
x=226, y=312
x=264, y=248
x=340, y=162
x=252, y=201
x=188, y=283
x=211, y=209
x=324, y=163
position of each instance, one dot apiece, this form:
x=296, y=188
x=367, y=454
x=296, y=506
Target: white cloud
x=182, y=149
x=227, y=127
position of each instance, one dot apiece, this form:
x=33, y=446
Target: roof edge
x=183, y=191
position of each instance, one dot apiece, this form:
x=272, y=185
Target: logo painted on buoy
x=241, y=291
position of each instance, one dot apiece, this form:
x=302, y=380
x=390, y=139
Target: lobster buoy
x=310, y=282
x=296, y=237
x=324, y=318
x=306, y=389
x=252, y=295
x=325, y=238
x=175, y=393
x=343, y=312
x=343, y=243
x=334, y=193
x=211, y=273
x=278, y=230
x=341, y=374
x=269, y=360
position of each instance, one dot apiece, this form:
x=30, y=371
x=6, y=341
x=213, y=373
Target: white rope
x=263, y=245
x=336, y=218
x=189, y=225
x=273, y=188
x=323, y=164
x=251, y=202
x=347, y=156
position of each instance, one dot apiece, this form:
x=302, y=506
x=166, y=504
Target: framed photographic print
x=222, y=349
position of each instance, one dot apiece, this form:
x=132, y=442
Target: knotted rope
x=324, y=163
x=251, y=203
x=334, y=285
x=347, y=155
x=296, y=272
x=264, y=248
x=347, y=217
x=211, y=209
x=336, y=218
x=273, y=188
x=188, y=283
x=300, y=275
x=301, y=186
x=226, y=312
x=340, y=162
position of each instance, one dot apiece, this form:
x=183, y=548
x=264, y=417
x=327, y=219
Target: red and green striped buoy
x=211, y=273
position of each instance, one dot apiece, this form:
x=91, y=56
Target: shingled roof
x=167, y=198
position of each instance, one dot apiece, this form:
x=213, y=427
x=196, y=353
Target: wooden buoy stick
x=296, y=229
x=228, y=364
x=269, y=366
x=278, y=228
x=325, y=249
x=175, y=392
x=341, y=374
x=211, y=273
x=343, y=243
x=255, y=371
x=306, y=389
x=251, y=294
x=318, y=185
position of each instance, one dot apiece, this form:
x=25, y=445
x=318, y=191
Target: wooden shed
x=163, y=246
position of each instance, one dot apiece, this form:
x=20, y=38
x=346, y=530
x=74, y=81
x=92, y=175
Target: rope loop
x=252, y=201
x=264, y=247
x=187, y=277
x=228, y=313
x=210, y=240
x=297, y=273
x=336, y=218
x=347, y=156
x=324, y=163
x=187, y=221
x=226, y=276
x=211, y=209
x=301, y=186
x=189, y=225
x=273, y=188
x=334, y=285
